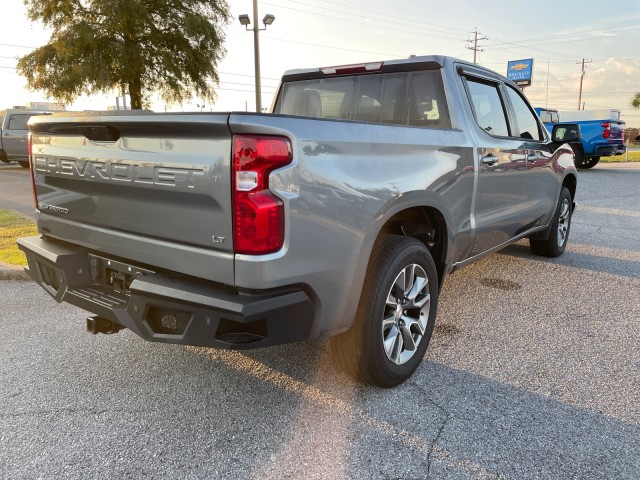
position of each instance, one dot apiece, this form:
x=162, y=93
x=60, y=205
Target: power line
x=239, y=90
x=247, y=84
x=246, y=75
x=351, y=21
x=332, y=47
x=387, y=15
x=383, y=14
x=547, y=39
x=12, y=45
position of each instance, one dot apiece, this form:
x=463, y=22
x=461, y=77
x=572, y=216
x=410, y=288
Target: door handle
x=529, y=158
x=489, y=159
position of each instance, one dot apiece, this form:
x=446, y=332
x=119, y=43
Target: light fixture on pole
x=245, y=21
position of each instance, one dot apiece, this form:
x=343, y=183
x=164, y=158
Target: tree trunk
x=135, y=92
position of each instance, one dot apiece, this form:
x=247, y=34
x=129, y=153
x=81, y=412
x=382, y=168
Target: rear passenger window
x=18, y=122
x=488, y=108
x=427, y=103
x=411, y=98
x=527, y=124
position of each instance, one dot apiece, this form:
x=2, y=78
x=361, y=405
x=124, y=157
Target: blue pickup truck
x=599, y=133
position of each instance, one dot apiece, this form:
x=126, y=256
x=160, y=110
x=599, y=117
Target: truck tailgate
x=133, y=185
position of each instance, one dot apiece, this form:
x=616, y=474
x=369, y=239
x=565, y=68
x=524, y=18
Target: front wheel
x=559, y=235
x=24, y=163
x=396, y=314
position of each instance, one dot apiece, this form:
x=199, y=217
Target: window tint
x=394, y=98
x=427, y=106
x=488, y=108
x=570, y=131
x=527, y=124
x=18, y=122
x=379, y=99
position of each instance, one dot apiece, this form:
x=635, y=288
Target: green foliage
x=12, y=226
x=635, y=101
x=170, y=47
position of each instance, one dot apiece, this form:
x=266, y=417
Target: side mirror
x=565, y=133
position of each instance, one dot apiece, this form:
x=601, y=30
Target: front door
x=501, y=193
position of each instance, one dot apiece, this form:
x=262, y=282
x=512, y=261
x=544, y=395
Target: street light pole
x=256, y=54
x=245, y=21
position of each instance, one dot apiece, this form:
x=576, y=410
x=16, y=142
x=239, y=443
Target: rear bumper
x=609, y=150
x=163, y=308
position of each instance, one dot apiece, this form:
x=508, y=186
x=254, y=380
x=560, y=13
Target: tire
x=392, y=314
x=559, y=233
x=583, y=162
x=24, y=163
x=3, y=157
x=590, y=162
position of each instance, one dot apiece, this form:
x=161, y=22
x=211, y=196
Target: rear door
x=14, y=136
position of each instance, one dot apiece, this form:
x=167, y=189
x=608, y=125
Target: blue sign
x=520, y=71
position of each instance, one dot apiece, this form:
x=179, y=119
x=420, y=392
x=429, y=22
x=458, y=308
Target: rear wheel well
x=425, y=224
x=571, y=183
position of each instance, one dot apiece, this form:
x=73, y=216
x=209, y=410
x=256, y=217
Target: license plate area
x=115, y=274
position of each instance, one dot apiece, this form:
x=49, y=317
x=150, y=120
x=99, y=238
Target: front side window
x=527, y=124
x=488, y=108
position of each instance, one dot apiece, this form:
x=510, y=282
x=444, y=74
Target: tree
x=635, y=101
x=170, y=47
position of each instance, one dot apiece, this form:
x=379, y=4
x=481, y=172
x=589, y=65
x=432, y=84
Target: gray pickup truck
x=339, y=214
x=13, y=134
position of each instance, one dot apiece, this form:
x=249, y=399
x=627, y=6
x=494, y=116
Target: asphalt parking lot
x=533, y=372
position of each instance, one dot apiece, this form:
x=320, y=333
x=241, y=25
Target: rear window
x=414, y=98
x=549, y=117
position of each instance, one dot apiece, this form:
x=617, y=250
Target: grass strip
x=12, y=226
x=633, y=157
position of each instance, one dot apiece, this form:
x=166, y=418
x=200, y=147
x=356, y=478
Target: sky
x=318, y=33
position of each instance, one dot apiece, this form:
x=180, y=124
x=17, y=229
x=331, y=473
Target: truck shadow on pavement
x=120, y=407
x=284, y=413
x=584, y=261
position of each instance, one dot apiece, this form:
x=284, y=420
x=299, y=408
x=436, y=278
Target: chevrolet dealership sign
x=520, y=72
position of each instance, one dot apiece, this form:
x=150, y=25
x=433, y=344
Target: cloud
x=615, y=74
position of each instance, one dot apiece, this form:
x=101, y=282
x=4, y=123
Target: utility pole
x=581, y=78
x=473, y=44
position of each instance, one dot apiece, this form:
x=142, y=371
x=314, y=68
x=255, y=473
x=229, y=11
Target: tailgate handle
x=95, y=133
x=100, y=133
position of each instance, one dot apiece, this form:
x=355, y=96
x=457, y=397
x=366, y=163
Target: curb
x=13, y=272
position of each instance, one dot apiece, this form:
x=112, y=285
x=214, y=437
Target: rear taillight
x=258, y=215
x=606, y=133
x=32, y=167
